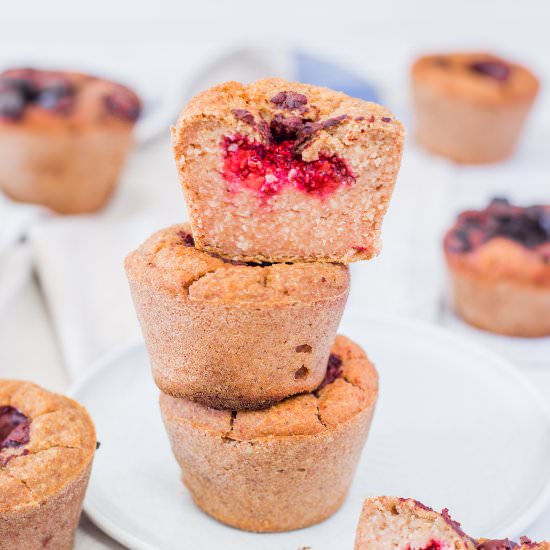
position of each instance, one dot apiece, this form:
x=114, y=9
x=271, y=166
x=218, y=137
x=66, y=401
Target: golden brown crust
x=219, y=101
x=307, y=414
x=281, y=468
x=233, y=336
x=503, y=287
x=343, y=229
x=165, y=262
x=453, y=76
x=503, y=259
x=61, y=446
x=43, y=481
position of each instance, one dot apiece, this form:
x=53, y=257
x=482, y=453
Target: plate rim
x=520, y=523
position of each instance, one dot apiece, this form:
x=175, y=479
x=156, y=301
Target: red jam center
x=14, y=428
x=334, y=370
x=432, y=545
x=268, y=169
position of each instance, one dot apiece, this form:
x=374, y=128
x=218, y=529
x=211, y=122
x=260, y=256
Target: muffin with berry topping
x=230, y=334
x=64, y=137
x=279, y=468
x=47, y=444
x=283, y=172
x=525, y=543
x=499, y=264
x=388, y=523
x=471, y=107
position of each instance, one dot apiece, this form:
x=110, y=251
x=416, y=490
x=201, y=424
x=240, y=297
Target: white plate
x=456, y=427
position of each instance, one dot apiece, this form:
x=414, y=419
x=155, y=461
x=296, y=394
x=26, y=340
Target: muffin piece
x=47, y=443
x=228, y=334
x=499, y=265
x=284, y=172
x=63, y=137
x=471, y=107
x=525, y=543
x=388, y=523
x=281, y=468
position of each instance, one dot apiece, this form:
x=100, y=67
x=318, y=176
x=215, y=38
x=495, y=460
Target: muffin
x=404, y=524
x=499, y=265
x=471, y=107
x=63, y=138
x=283, y=172
x=525, y=543
x=284, y=467
x=47, y=443
x=228, y=334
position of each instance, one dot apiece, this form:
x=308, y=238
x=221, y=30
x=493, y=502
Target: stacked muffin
x=286, y=184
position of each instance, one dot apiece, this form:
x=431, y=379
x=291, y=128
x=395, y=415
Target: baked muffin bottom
x=284, y=467
x=228, y=334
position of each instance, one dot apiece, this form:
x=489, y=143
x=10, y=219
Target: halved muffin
x=392, y=523
x=278, y=171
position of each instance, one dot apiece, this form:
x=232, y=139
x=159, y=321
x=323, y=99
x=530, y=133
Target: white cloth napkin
x=79, y=259
x=15, y=256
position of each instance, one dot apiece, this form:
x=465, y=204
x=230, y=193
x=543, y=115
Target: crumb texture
x=317, y=171
x=388, y=523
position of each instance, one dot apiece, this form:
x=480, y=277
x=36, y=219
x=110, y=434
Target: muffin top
x=169, y=261
x=525, y=543
x=46, y=441
x=60, y=100
x=503, y=240
x=277, y=135
x=482, y=77
x=349, y=388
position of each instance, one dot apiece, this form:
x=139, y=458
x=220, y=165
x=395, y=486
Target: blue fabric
x=322, y=73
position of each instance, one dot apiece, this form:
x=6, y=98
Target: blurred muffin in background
x=471, y=107
x=499, y=265
x=63, y=137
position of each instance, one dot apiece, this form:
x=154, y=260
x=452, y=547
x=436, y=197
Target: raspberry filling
x=528, y=226
x=432, y=545
x=268, y=169
x=334, y=371
x=14, y=428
